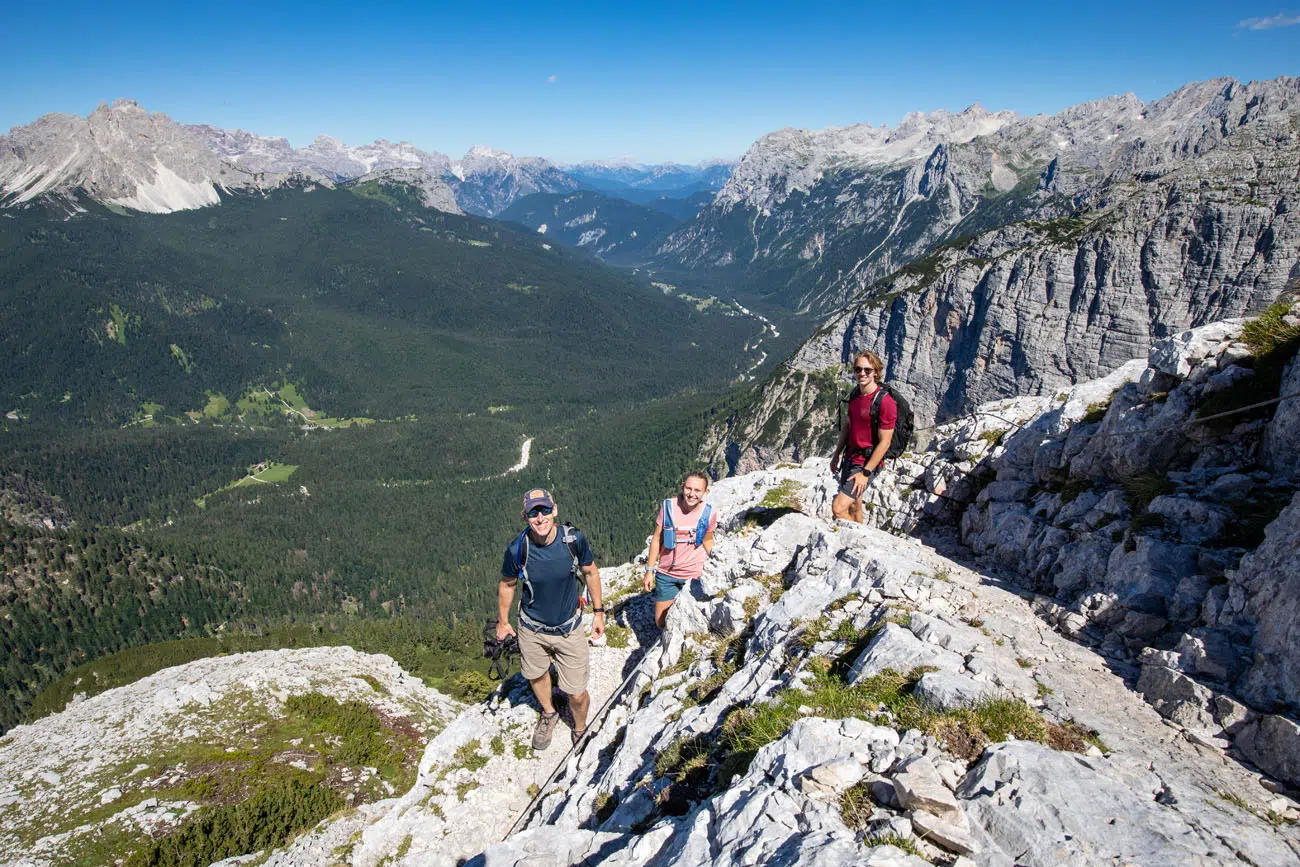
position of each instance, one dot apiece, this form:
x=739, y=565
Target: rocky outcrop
x=29, y=505
x=1172, y=234
x=1162, y=538
x=433, y=191
x=115, y=765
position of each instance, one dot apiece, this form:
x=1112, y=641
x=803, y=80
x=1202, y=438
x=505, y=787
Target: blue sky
x=654, y=82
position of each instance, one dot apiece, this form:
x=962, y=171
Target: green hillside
x=297, y=408
x=373, y=310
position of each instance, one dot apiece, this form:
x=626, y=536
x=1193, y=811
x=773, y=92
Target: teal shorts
x=666, y=589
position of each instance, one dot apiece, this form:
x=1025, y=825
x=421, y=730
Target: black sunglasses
x=864, y=370
x=539, y=510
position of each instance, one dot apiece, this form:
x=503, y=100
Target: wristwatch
x=598, y=610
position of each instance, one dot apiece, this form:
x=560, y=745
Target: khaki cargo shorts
x=537, y=651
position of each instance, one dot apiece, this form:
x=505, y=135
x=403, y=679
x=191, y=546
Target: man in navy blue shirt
x=550, y=560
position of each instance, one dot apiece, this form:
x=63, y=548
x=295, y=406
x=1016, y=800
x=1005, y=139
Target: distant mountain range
x=124, y=156
x=644, y=184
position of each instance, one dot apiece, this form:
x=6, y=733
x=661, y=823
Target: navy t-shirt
x=550, y=571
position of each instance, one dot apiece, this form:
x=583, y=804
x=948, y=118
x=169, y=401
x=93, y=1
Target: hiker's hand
x=648, y=582
x=504, y=629
x=598, y=624
x=859, y=483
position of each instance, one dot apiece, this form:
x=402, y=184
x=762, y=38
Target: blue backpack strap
x=702, y=528
x=670, y=537
x=521, y=562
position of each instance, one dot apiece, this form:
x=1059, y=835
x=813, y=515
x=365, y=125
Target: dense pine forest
x=287, y=420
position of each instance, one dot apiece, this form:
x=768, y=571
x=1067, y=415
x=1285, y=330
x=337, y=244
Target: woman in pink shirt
x=680, y=558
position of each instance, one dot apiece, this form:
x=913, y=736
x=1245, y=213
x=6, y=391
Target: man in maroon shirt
x=857, y=455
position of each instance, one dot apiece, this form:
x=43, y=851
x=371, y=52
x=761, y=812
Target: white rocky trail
x=1155, y=797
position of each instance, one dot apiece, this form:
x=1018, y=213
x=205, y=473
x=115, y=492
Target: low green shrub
x=267, y=820
x=472, y=686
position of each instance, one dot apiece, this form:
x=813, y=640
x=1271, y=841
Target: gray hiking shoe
x=546, y=724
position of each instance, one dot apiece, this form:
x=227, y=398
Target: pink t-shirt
x=685, y=561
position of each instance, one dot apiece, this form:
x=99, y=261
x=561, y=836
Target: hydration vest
x=670, y=533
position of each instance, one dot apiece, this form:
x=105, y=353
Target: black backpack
x=569, y=535
x=902, y=428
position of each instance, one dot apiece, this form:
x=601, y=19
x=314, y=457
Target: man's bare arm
x=592, y=574
x=505, y=596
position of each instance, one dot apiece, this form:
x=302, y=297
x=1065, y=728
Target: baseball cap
x=538, y=497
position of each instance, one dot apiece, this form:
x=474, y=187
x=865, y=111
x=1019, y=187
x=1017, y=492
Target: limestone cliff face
x=1035, y=306
x=820, y=216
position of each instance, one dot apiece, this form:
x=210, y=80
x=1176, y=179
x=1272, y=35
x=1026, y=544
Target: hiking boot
x=545, y=728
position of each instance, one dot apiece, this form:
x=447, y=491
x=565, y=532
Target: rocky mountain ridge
x=125, y=157
x=822, y=216
x=120, y=155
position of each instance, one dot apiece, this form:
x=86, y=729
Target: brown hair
x=698, y=475
x=874, y=360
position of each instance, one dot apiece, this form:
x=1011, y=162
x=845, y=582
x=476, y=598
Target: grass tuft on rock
x=1141, y=489
x=857, y=805
x=964, y=732
x=907, y=844
x=468, y=756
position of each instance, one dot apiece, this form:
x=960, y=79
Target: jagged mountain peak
x=119, y=154
x=485, y=152
x=790, y=159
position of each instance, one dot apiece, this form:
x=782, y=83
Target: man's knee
x=841, y=507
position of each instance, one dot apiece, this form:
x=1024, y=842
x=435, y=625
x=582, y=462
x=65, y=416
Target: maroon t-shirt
x=860, y=442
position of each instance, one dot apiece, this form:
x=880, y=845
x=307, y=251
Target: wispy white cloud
x=550, y=79
x=1281, y=19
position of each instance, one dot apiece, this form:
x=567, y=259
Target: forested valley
x=287, y=420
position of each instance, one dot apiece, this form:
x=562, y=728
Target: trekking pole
x=591, y=724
